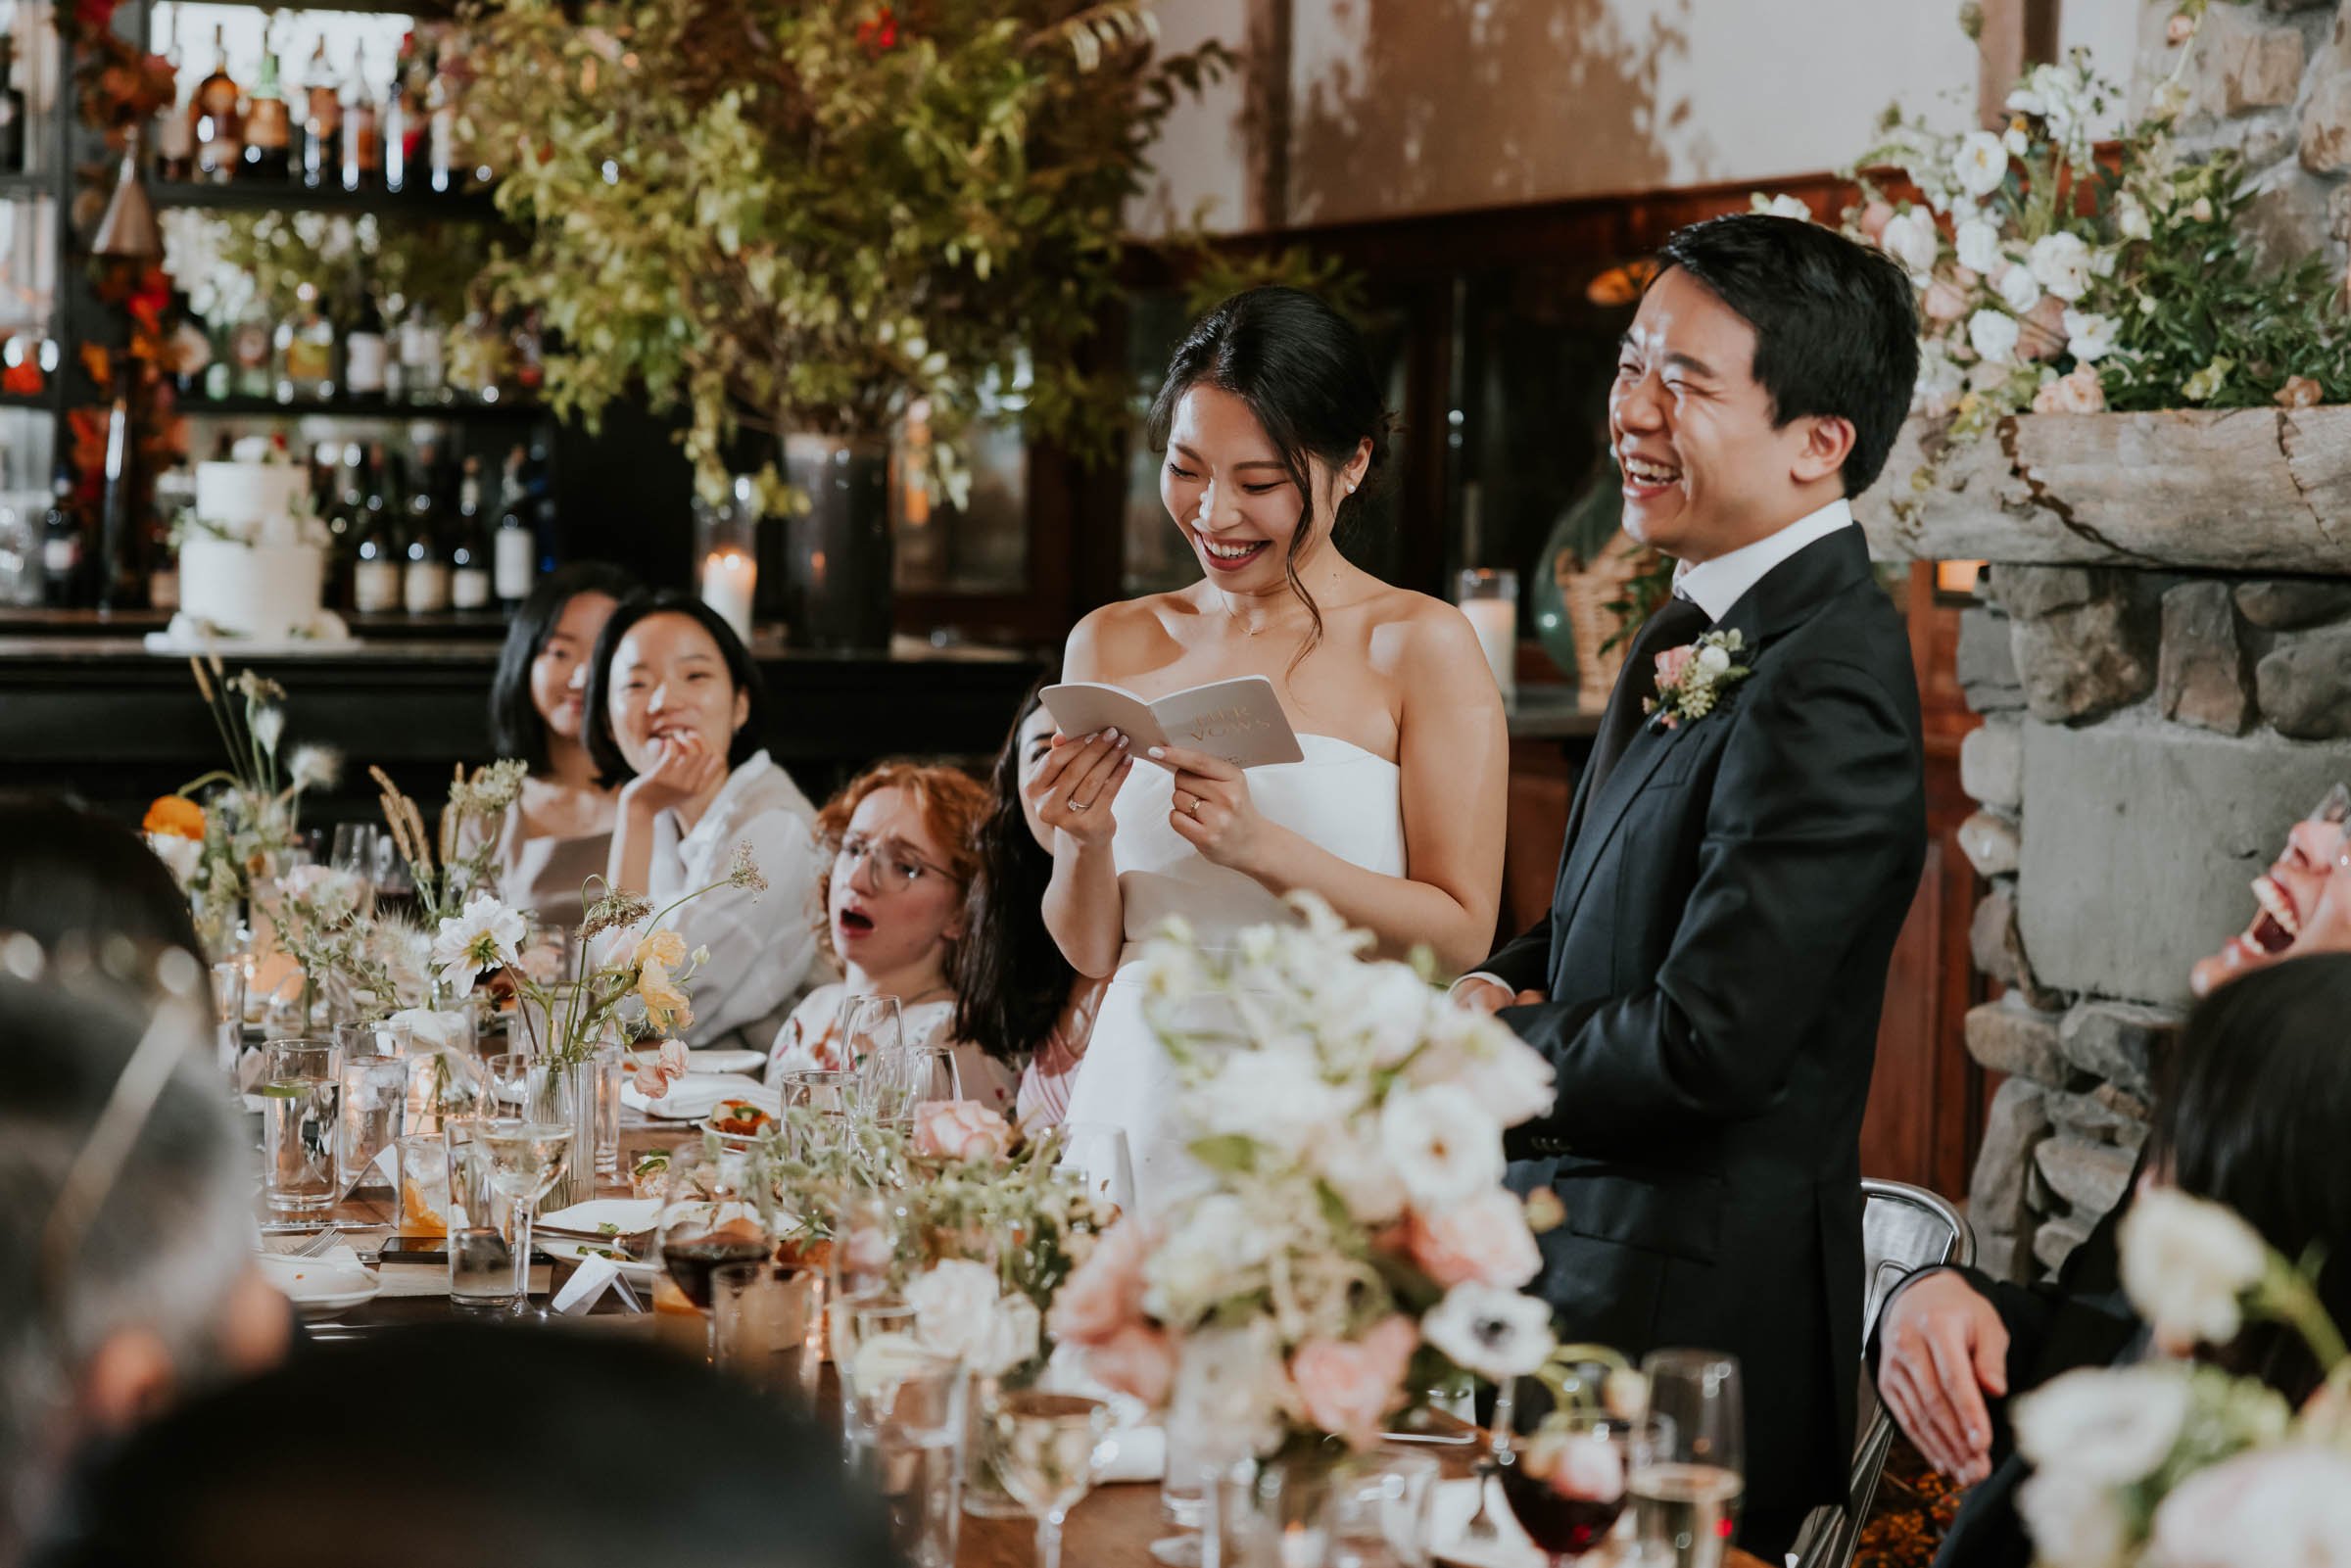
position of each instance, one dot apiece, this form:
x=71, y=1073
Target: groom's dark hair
x=1836, y=323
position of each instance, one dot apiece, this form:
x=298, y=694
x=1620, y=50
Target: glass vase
x=835, y=558
x=983, y=1495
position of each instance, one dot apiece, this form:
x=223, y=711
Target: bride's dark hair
x=1304, y=371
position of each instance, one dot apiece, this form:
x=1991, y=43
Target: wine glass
x=867, y=1025
x=1095, y=1152
x=1045, y=1448
x=1566, y=1474
x=355, y=852
x=527, y=1157
x=1686, y=1500
x=715, y=1210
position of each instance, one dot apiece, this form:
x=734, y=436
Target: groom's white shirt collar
x=1716, y=586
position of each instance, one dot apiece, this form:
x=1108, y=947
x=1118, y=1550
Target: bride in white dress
x=1271, y=418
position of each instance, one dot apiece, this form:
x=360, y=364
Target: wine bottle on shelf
x=321, y=122
x=516, y=563
x=269, y=131
x=469, y=548
x=376, y=571
x=362, y=128
x=345, y=518
x=402, y=118
x=176, y=132
x=425, y=587
x=444, y=160
x=424, y=369
x=305, y=350
x=62, y=586
x=12, y=110
x=251, y=371
x=365, y=351
x=218, y=131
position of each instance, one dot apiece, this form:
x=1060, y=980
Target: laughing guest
x=904, y=851
x=676, y=713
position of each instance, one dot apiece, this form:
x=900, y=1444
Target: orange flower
x=175, y=816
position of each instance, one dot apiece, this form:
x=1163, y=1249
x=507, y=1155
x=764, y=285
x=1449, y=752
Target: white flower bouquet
x=2180, y=1464
x=1350, y=1246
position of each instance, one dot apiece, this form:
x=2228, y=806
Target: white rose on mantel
x=2019, y=289
x=1910, y=239
x=2090, y=336
x=1979, y=163
x=2061, y=263
x=1979, y=244
x=1993, y=334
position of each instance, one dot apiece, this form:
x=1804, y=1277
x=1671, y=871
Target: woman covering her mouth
x=896, y=911
x=677, y=715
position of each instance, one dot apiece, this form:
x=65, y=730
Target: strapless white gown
x=1341, y=797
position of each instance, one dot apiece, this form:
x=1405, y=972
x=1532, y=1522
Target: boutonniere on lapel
x=1691, y=679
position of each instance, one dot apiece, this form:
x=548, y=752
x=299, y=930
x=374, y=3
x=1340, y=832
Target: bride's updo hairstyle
x=1302, y=370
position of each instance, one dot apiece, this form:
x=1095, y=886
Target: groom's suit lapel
x=1786, y=595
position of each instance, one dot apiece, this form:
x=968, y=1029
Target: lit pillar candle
x=727, y=578
x=1496, y=621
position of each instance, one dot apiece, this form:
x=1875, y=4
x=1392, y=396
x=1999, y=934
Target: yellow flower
x=665, y=1006
x=663, y=947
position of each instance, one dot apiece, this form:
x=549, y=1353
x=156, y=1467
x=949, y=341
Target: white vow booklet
x=1239, y=720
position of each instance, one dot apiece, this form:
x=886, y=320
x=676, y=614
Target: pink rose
x=1105, y=1293
x=1349, y=1388
x=668, y=1066
x=1946, y=300
x=1137, y=1359
x=1482, y=1241
x=2044, y=335
x=960, y=1129
x=868, y=1250
x=1672, y=662
x=1874, y=219
x=2079, y=393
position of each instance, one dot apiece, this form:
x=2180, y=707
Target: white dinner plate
x=627, y=1214
x=1450, y=1510
x=321, y=1287
x=711, y=1061
x=696, y=1095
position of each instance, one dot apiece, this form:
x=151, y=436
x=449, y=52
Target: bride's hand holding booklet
x=1239, y=720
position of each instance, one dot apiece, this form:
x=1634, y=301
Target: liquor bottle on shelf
x=423, y=376
x=425, y=587
x=362, y=128
x=402, y=121
x=516, y=563
x=251, y=373
x=321, y=122
x=219, y=132
x=268, y=129
x=471, y=551
x=375, y=570
x=12, y=110
x=345, y=518
x=176, y=132
x=445, y=160
x=366, y=350
x=305, y=350
x=189, y=347
x=62, y=573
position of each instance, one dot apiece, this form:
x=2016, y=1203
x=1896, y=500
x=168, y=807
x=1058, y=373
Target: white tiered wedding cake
x=252, y=558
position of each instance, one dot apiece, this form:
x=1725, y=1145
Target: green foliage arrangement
x=808, y=214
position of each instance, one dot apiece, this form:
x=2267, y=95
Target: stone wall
x=2148, y=739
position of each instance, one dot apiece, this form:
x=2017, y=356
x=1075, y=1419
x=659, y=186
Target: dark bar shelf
x=40, y=403
x=478, y=413
x=258, y=196
x=33, y=182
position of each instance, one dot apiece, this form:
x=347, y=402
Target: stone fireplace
x=2161, y=654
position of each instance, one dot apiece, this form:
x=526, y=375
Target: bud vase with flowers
x=628, y=980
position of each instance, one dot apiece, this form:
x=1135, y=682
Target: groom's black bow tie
x=1677, y=621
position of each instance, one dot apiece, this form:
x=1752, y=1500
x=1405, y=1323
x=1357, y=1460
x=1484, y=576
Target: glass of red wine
x=715, y=1210
x=1568, y=1473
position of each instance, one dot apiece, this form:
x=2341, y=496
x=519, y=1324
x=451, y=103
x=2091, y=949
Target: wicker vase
x=1586, y=596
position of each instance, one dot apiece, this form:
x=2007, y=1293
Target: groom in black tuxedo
x=1708, y=983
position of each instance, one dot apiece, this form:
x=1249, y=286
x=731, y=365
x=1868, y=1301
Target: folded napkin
x=696, y=1095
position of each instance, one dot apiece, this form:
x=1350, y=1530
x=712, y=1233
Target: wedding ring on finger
x=1081, y=805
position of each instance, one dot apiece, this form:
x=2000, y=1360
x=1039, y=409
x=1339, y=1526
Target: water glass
x=1044, y=1448
x=907, y=1442
x=355, y=851
x=715, y=1211
x=484, y=1270
x=373, y=1108
x=443, y=1084
x=423, y=1185
x=868, y=1024
x=298, y=1125
x=1686, y=1501
x=896, y=1079
x=606, y=1071
x=509, y=1078
x=228, y=1015
x=1095, y=1152
x=1380, y=1506
x=763, y=1326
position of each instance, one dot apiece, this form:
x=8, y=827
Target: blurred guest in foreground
x=69, y=875
x=509, y=1457
x=903, y=846
x=559, y=832
x=2259, y=1092
x=1016, y=996
x=677, y=716
x=127, y=1275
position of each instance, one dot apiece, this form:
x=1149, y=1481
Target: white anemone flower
x=484, y=936
x=2188, y=1265
x=1490, y=1331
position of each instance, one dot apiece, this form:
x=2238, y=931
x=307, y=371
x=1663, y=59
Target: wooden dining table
x=1112, y=1528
